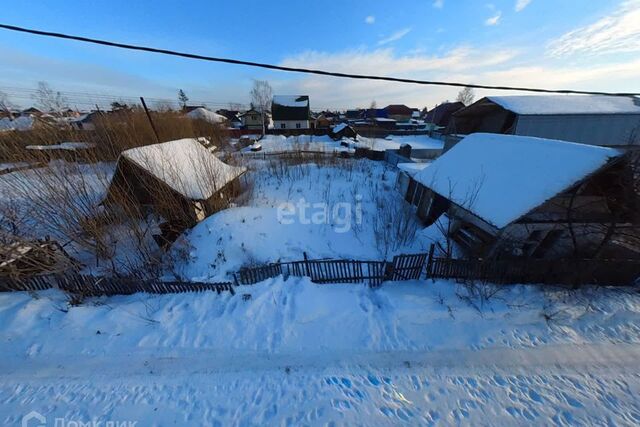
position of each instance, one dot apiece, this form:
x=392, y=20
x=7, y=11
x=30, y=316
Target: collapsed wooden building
x=182, y=181
x=517, y=196
x=20, y=258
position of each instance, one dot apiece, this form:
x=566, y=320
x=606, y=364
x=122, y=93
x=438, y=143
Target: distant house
x=70, y=113
x=353, y=115
x=86, y=121
x=593, y=120
x=323, y=122
x=399, y=112
x=441, y=115
x=343, y=130
x=32, y=111
x=385, y=123
x=180, y=180
x=511, y=195
x=374, y=113
x=232, y=116
x=290, y=112
x=251, y=119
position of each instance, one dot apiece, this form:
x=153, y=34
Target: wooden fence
x=573, y=272
x=403, y=267
x=97, y=286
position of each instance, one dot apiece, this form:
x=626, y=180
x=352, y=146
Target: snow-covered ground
x=348, y=209
x=296, y=353
x=280, y=143
x=394, y=142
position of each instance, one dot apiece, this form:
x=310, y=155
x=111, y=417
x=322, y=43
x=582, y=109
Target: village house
x=440, y=116
x=593, y=120
x=86, y=121
x=290, y=112
x=323, y=122
x=232, y=116
x=510, y=196
x=342, y=130
x=398, y=112
x=353, y=115
x=180, y=180
x=251, y=119
x=31, y=111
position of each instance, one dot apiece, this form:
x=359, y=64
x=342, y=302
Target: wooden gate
x=408, y=267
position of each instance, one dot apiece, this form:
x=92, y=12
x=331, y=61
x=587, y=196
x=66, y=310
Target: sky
x=570, y=44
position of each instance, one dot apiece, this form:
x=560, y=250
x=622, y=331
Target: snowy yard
x=345, y=209
x=295, y=353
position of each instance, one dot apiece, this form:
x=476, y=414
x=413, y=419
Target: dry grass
x=62, y=200
x=113, y=133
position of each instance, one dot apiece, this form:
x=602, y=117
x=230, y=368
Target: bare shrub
x=61, y=198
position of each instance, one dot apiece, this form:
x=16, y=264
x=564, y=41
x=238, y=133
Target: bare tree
x=183, y=98
x=5, y=104
x=261, y=95
x=50, y=100
x=466, y=96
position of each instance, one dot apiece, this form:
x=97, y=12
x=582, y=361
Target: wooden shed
x=594, y=120
x=521, y=196
x=180, y=180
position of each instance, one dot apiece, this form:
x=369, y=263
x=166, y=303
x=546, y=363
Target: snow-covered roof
x=502, y=177
x=291, y=100
x=412, y=168
x=19, y=123
x=68, y=146
x=204, y=114
x=568, y=104
x=186, y=166
x=338, y=128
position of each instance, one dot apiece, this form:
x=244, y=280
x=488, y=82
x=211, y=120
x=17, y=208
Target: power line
x=298, y=70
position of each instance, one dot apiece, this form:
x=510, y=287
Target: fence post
x=432, y=249
x=306, y=264
x=153, y=126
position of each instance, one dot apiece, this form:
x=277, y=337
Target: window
x=298, y=126
x=254, y=117
x=283, y=126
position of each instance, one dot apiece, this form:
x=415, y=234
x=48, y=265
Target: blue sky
x=552, y=43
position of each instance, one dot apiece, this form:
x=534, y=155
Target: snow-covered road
x=574, y=385
x=295, y=353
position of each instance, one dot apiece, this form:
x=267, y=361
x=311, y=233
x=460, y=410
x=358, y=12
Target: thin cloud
x=385, y=61
x=395, y=36
x=438, y=4
x=521, y=4
x=618, y=32
x=370, y=19
x=494, y=20
x=462, y=64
